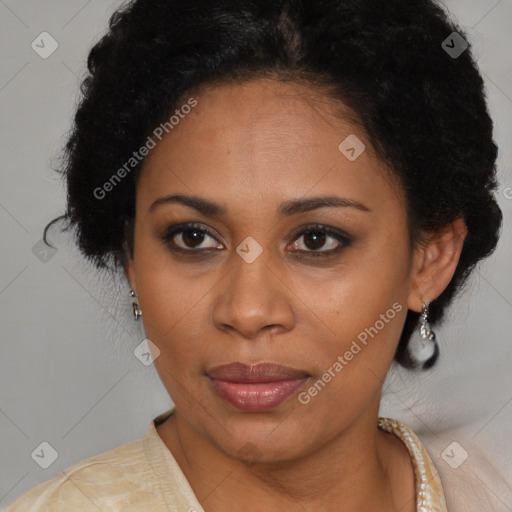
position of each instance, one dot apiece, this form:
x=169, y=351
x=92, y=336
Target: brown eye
x=192, y=237
x=321, y=240
x=314, y=240
x=189, y=238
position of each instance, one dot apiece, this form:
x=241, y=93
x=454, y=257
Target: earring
x=137, y=313
x=423, y=349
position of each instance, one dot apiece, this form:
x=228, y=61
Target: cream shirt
x=143, y=476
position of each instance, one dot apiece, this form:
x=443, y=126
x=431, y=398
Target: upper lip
x=257, y=372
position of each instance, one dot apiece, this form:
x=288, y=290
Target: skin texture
x=250, y=147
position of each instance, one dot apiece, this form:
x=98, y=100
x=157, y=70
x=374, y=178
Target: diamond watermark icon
x=43, y=252
x=146, y=352
x=249, y=249
x=44, y=45
x=45, y=455
x=351, y=147
x=454, y=455
x=454, y=45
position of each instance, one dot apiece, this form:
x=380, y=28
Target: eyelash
x=342, y=237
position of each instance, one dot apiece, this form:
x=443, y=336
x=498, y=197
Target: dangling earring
x=423, y=349
x=137, y=313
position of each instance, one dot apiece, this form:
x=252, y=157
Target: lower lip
x=257, y=396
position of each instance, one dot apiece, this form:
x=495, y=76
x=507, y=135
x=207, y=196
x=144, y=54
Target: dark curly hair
x=423, y=109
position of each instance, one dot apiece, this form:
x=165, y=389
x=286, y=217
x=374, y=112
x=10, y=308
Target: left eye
x=316, y=238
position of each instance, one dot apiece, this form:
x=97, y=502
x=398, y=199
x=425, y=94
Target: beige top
x=144, y=476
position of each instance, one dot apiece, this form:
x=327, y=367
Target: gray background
x=68, y=373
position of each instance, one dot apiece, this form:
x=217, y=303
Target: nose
x=252, y=298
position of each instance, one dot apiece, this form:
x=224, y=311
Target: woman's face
x=246, y=284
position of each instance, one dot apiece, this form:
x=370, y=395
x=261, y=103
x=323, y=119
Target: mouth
x=256, y=387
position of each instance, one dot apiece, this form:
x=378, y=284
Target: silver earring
x=423, y=349
x=137, y=313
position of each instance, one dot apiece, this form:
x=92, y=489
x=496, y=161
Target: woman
x=288, y=187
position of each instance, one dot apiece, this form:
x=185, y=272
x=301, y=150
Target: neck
x=353, y=468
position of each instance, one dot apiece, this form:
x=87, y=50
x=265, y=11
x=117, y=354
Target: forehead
x=264, y=140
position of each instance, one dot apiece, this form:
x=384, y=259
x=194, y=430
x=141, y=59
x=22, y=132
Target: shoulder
x=103, y=482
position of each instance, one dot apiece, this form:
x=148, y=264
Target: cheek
x=372, y=276
x=167, y=294
x=173, y=313
x=361, y=331
x=363, y=323
x=172, y=318
x=175, y=309
x=361, y=308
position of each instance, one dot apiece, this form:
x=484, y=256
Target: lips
x=256, y=387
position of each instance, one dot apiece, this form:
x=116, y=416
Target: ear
x=434, y=263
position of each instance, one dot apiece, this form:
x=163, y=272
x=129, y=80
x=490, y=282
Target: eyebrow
x=288, y=208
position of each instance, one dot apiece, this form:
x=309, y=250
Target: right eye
x=190, y=237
